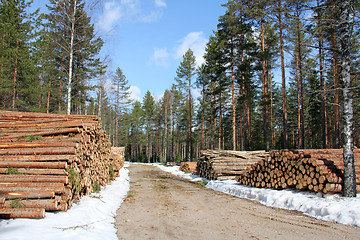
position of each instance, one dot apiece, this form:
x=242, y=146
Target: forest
x=277, y=75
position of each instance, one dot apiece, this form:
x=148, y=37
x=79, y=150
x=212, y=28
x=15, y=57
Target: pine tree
x=122, y=98
x=17, y=66
x=184, y=75
x=149, y=109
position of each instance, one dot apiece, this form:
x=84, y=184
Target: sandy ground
x=160, y=205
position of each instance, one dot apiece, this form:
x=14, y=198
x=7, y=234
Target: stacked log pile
x=314, y=170
x=224, y=165
x=117, y=161
x=188, y=167
x=49, y=161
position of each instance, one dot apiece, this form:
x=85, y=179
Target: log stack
x=189, y=167
x=49, y=161
x=314, y=170
x=225, y=165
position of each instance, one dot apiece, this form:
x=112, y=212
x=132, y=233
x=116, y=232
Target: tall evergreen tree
x=17, y=64
x=149, y=109
x=122, y=96
x=184, y=75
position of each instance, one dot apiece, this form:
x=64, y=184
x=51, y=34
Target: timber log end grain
x=188, y=167
x=318, y=170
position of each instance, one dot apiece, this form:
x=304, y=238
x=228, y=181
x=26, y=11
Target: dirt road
x=162, y=206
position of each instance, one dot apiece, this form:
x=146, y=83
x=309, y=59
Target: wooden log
x=31, y=115
x=6, y=213
x=43, y=133
x=223, y=178
x=30, y=171
x=47, y=204
x=39, y=151
x=37, y=145
x=53, y=165
x=63, y=206
x=27, y=195
x=32, y=184
x=32, y=178
x=57, y=190
x=26, y=126
x=38, y=158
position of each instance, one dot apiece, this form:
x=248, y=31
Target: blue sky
x=147, y=38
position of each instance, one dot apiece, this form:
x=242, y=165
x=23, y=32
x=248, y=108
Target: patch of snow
x=175, y=171
x=329, y=207
x=92, y=217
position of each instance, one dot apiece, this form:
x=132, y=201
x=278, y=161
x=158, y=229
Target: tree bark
x=48, y=97
x=71, y=56
x=190, y=122
x=233, y=100
x=61, y=79
x=284, y=97
x=41, y=83
x=336, y=94
x=349, y=166
x=15, y=74
x=265, y=91
x=301, y=129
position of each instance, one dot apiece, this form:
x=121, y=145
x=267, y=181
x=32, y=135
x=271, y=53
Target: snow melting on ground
x=91, y=218
x=330, y=207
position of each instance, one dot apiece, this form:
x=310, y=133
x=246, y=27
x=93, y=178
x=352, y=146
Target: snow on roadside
x=330, y=207
x=91, y=218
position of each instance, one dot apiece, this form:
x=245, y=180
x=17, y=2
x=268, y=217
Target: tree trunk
x=323, y=90
x=271, y=111
x=15, y=74
x=165, y=132
x=301, y=129
x=48, y=96
x=71, y=56
x=349, y=166
x=2, y=66
x=190, y=122
x=61, y=77
x=220, y=123
x=100, y=93
x=265, y=92
x=41, y=83
x=213, y=124
x=284, y=97
x=337, y=133
x=203, y=120
x=233, y=101
x=117, y=115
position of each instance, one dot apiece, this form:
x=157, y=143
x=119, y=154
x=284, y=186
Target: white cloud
x=135, y=93
x=160, y=57
x=196, y=42
x=160, y=3
x=111, y=13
